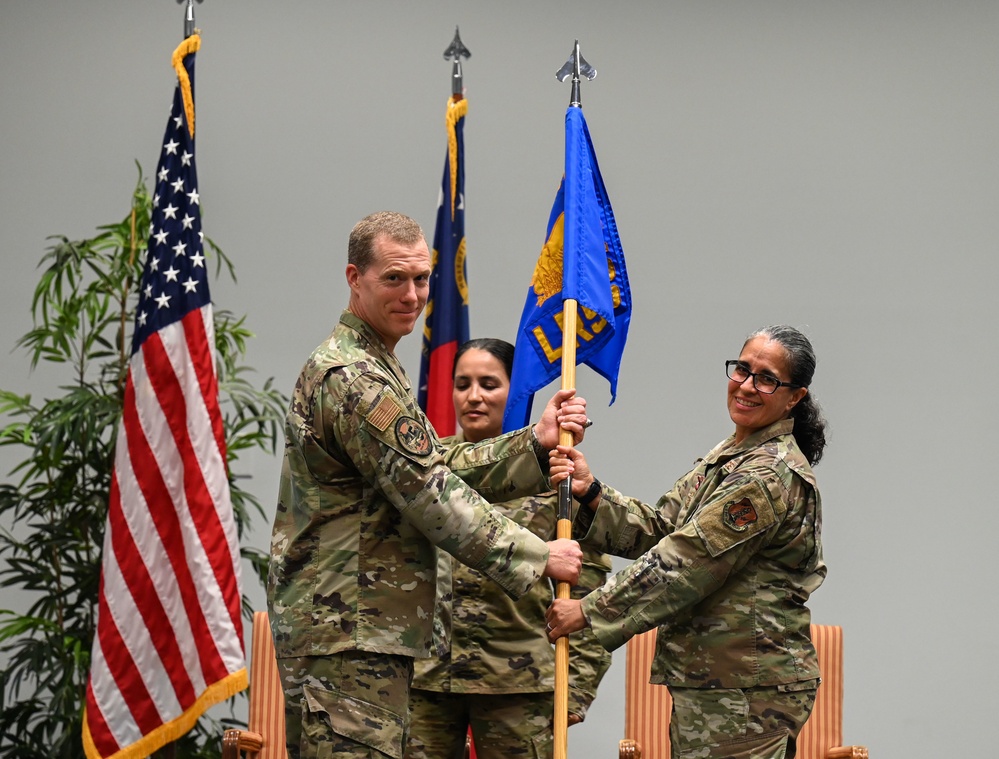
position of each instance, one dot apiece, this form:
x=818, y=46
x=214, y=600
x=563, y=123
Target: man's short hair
x=399, y=228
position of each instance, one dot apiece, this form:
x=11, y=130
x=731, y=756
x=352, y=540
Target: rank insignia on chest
x=739, y=514
x=412, y=436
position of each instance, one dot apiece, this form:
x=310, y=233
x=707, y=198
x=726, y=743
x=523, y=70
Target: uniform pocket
x=359, y=721
x=772, y=745
x=544, y=743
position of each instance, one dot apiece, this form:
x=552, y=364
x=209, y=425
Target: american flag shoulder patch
x=384, y=412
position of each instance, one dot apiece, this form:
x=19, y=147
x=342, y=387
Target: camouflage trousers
x=351, y=704
x=751, y=723
x=504, y=726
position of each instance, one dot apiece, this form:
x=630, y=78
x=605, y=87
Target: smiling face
x=391, y=292
x=481, y=386
x=750, y=409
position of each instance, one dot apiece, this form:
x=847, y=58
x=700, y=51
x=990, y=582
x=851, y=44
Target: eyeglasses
x=765, y=383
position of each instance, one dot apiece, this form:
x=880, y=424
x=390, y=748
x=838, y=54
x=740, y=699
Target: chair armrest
x=234, y=741
x=847, y=752
x=629, y=748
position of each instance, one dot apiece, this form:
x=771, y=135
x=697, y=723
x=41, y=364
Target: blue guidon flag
x=582, y=259
x=446, y=326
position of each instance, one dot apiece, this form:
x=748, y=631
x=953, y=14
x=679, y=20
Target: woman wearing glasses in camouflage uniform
x=498, y=676
x=724, y=564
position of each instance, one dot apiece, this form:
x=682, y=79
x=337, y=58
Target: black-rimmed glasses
x=765, y=383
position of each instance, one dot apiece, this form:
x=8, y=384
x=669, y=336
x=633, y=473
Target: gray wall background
x=829, y=165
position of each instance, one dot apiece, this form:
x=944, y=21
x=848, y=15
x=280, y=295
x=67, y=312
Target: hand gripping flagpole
x=576, y=67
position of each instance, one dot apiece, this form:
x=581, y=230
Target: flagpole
x=576, y=67
x=189, y=27
x=564, y=530
x=169, y=750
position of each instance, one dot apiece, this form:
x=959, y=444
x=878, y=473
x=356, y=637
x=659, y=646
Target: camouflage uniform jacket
x=366, y=492
x=499, y=645
x=725, y=563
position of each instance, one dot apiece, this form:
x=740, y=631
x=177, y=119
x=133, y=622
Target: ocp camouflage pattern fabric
x=499, y=645
x=367, y=491
x=724, y=564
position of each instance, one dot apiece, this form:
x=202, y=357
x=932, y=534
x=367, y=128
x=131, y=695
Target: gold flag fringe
x=191, y=45
x=171, y=731
x=457, y=107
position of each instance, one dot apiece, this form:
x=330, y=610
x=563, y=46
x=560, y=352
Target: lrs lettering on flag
x=581, y=260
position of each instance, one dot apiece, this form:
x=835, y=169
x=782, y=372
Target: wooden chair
x=264, y=734
x=647, y=707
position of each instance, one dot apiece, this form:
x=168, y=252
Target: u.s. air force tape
x=412, y=436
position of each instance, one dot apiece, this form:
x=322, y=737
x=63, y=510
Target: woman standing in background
x=498, y=677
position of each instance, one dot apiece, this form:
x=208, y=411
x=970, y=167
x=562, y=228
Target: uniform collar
x=727, y=448
x=377, y=346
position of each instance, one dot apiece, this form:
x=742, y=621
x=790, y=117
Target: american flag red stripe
x=148, y=602
x=154, y=490
x=201, y=492
x=169, y=640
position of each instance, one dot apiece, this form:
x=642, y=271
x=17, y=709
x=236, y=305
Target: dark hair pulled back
x=499, y=349
x=809, y=424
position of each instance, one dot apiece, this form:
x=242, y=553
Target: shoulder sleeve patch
x=735, y=516
x=413, y=436
x=384, y=413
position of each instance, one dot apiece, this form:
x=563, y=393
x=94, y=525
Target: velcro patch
x=381, y=416
x=739, y=514
x=412, y=436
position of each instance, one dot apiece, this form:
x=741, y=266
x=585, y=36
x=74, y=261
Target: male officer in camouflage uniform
x=366, y=492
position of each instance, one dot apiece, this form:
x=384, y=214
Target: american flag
x=169, y=641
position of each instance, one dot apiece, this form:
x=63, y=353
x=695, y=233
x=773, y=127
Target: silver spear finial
x=455, y=51
x=576, y=67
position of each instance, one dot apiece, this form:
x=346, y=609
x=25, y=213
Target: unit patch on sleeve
x=412, y=436
x=735, y=517
x=739, y=514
